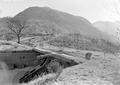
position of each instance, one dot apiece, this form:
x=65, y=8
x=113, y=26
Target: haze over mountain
x=67, y=22
x=108, y=27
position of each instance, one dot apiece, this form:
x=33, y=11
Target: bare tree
x=16, y=25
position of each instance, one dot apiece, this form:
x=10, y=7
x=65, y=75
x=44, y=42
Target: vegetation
x=16, y=25
x=12, y=28
x=38, y=27
x=77, y=41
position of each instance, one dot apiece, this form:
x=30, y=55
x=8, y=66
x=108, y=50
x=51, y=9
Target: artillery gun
x=51, y=62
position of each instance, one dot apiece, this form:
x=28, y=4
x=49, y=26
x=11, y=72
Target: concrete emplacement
x=18, y=60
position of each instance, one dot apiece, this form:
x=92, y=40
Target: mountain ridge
x=66, y=21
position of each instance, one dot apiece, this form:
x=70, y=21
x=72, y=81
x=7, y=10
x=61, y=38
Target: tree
x=16, y=25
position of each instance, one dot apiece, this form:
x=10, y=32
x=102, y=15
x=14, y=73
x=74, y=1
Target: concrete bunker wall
x=27, y=58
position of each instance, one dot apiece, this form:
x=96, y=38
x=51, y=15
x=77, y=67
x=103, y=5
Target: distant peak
x=46, y=7
x=103, y=22
x=37, y=7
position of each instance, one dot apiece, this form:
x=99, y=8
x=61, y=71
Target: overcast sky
x=93, y=10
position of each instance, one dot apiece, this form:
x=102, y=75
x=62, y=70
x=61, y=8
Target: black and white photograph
x=59, y=42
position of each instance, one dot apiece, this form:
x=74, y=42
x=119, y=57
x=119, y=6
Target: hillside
x=77, y=41
x=44, y=21
x=66, y=22
x=46, y=24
